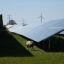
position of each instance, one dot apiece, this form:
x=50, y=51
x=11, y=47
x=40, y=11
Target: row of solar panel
x=40, y=32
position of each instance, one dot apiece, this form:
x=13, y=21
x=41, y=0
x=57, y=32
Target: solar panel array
x=41, y=32
x=62, y=32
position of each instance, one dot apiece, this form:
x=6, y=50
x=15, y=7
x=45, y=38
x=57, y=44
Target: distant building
x=11, y=22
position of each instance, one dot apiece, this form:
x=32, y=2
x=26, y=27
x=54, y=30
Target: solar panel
x=20, y=28
x=41, y=32
x=62, y=32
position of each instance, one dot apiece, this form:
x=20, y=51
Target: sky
x=30, y=10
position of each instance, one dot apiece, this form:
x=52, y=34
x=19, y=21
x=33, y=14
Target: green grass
x=31, y=57
x=59, y=36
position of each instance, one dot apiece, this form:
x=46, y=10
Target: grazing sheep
x=30, y=44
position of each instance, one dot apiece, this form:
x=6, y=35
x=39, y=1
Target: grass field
x=13, y=51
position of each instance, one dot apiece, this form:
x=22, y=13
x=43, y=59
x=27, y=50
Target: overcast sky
x=30, y=10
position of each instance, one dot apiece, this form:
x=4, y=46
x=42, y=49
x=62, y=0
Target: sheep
x=30, y=44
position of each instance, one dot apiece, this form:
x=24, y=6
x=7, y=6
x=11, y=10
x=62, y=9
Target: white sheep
x=30, y=44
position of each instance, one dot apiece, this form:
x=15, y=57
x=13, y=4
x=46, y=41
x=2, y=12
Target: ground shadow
x=52, y=44
x=9, y=46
